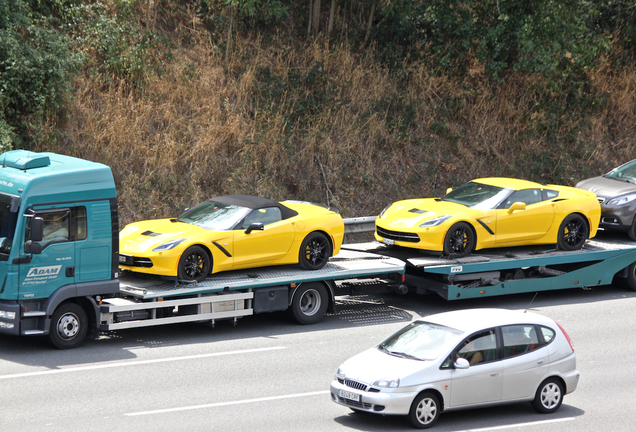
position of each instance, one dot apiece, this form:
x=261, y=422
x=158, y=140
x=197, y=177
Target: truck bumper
x=10, y=318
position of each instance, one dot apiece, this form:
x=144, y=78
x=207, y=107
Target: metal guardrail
x=359, y=224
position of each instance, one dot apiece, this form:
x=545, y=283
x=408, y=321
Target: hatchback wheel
x=549, y=396
x=424, y=410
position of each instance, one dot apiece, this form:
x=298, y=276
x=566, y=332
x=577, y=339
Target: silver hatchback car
x=461, y=359
x=616, y=192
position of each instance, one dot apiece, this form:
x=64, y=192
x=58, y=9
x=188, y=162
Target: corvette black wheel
x=194, y=265
x=572, y=233
x=314, y=251
x=460, y=240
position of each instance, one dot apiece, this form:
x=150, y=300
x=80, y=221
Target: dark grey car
x=616, y=191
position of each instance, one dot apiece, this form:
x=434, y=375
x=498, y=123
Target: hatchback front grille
x=398, y=236
x=354, y=404
x=354, y=384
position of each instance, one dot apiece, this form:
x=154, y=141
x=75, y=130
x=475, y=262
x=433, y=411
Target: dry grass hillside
x=324, y=122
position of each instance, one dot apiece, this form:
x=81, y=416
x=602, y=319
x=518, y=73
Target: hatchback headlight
x=622, y=199
x=435, y=221
x=169, y=245
x=387, y=383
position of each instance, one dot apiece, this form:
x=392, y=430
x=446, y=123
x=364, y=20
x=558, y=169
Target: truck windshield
x=214, y=216
x=8, y=219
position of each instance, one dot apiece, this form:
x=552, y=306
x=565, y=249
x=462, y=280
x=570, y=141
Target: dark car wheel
x=460, y=240
x=572, y=233
x=425, y=410
x=314, y=252
x=549, y=396
x=194, y=265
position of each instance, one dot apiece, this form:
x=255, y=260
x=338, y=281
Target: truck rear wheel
x=69, y=325
x=629, y=282
x=309, y=303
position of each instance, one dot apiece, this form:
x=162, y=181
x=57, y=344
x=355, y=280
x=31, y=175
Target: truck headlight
x=6, y=325
x=7, y=315
x=169, y=245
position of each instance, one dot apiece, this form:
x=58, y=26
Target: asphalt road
x=268, y=374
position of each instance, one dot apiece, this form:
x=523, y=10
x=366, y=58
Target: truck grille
x=398, y=236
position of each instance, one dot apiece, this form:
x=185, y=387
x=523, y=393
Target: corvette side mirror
x=257, y=226
x=517, y=206
x=449, y=190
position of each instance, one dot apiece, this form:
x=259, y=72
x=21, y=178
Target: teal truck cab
x=53, y=262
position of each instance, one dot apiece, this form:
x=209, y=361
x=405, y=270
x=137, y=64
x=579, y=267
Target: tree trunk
x=311, y=14
x=229, y=34
x=332, y=13
x=315, y=20
x=368, y=32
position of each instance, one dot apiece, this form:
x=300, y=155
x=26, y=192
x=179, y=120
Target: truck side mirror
x=37, y=229
x=32, y=248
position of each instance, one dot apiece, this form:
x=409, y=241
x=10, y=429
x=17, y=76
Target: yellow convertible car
x=229, y=233
x=492, y=212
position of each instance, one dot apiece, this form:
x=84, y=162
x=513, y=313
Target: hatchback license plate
x=349, y=395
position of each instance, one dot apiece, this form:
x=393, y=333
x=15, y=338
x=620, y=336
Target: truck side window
x=56, y=227
x=80, y=223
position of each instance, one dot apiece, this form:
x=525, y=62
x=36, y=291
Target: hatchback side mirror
x=462, y=363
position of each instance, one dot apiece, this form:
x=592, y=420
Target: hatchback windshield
x=420, y=341
x=625, y=172
x=214, y=216
x=477, y=195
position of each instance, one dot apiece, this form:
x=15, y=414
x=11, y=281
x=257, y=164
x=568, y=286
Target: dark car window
x=527, y=196
x=519, y=339
x=479, y=348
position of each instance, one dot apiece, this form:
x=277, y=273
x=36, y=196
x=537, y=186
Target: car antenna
x=535, y=296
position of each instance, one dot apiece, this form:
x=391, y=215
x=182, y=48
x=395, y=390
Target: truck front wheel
x=68, y=326
x=309, y=303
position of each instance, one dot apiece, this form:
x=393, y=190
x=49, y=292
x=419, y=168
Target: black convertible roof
x=253, y=202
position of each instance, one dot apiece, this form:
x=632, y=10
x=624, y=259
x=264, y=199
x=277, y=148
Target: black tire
x=628, y=282
x=425, y=410
x=460, y=240
x=314, y=252
x=549, y=396
x=572, y=233
x=194, y=264
x=309, y=303
x=631, y=233
x=69, y=325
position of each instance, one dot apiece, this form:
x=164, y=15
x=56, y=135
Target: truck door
x=43, y=273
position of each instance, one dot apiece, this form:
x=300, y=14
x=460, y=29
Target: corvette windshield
x=477, y=195
x=625, y=172
x=421, y=341
x=214, y=216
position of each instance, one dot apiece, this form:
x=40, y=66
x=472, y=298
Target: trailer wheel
x=314, y=251
x=572, y=233
x=460, y=240
x=309, y=303
x=69, y=325
x=629, y=282
x=194, y=265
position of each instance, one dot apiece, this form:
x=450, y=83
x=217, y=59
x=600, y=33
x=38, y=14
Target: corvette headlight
x=387, y=383
x=169, y=245
x=435, y=221
x=384, y=211
x=622, y=199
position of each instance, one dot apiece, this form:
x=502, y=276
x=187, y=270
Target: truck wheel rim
x=68, y=326
x=310, y=302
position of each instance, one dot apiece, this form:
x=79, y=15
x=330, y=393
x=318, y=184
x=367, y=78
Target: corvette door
x=261, y=246
x=517, y=226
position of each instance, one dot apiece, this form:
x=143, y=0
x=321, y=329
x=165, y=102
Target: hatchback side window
x=519, y=339
x=548, y=334
x=479, y=348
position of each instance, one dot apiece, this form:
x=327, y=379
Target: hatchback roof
x=468, y=320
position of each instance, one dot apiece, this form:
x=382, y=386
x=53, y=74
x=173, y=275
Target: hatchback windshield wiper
x=403, y=355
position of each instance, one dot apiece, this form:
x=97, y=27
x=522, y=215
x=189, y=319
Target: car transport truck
x=59, y=273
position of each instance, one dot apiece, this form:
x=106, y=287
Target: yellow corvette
x=492, y=212
x=229, y=233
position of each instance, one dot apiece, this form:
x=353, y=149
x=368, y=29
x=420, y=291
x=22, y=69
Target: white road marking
x=136, y=363
x=222, y=404
x=521, y=425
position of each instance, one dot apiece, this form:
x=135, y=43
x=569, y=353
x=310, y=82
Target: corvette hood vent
x=418, y=211
x=150, y=233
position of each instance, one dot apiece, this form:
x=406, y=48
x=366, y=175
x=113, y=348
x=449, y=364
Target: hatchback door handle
x=494, y=374
x=540, y=362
